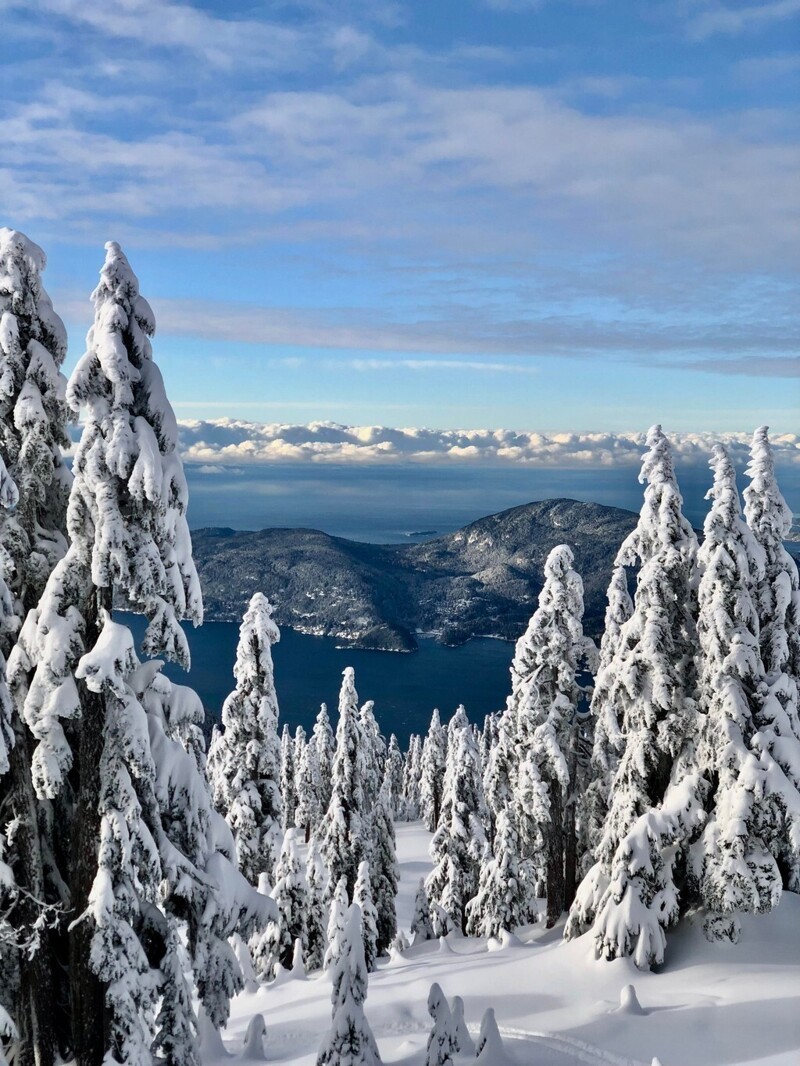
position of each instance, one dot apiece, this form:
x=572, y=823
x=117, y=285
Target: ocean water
x=308, y=671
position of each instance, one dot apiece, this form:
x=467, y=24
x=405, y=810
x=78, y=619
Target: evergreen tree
x=175, y=1043
x=144, y=828
x=649, y=703
x=421, y=923
x=459, y=844
x=291, y=898
x=34, y=483
x=546, y=700
x=738, y=872
x=288, y=789
x=383, y=865
x=343, y=828
x=499, y=769
x=323, y=739
x=336, y=923
x=349, y=1041
x=607, y=740
x=434, y=755
x=777, y=601
x=244, y=760
x=374, y=749
x=316, y=879
x=394, y=770
x=442, y=1041
x=412, y=776
x=501, y=901
x=309, y=790
x=362, y=895
x=464, y=1043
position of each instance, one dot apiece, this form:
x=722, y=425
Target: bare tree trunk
x=89, y=1012
x=555, y=856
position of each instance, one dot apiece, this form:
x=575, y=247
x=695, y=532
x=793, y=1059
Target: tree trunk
x=89, y=1012
x=36, y=1001
x=555, y=856
x=570, y=837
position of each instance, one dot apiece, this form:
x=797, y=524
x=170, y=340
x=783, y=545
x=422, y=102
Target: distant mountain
x=482, y=580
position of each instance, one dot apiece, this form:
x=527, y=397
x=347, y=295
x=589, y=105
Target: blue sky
x=564, y=215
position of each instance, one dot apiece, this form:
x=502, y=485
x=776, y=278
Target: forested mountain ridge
x=482, y=580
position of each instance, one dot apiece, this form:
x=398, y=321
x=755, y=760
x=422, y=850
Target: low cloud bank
x=210, y=443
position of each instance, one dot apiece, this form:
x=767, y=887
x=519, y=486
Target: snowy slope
x=712, y=1005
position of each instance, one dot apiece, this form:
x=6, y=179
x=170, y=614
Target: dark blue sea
x=385, y=504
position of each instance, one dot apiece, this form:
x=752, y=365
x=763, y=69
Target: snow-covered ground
x=555, y=1005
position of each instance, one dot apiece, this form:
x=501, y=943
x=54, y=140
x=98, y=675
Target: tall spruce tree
x=434, y=755
x=547, y=722
x=33, y=496
x=288, y=785
x=650, y=703
x=144, y=830
x=350, y=1042
x=383, y=865
x=342, y=835
x=244, y=760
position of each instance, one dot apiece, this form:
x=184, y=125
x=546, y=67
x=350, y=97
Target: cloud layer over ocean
x=221, y=443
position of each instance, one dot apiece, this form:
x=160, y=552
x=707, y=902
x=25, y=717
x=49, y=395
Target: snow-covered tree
x=421, y=923
x=434, y=755
x=374, y=749
x=412, y=777
x=459, y=845
x=291, y=898
x=649, y=704
x=144, y=828
x=316, y=879
x=383, y=865
x=349, y=1041
x=737, y=870
x=323, y=739
x=34, y=483
x=342, y=834
x=464, y=1042
x=777, y=601
x=176, y=1042
x=545, y=697
x=337, y=918
x=309, y=790
x=442, y=1040
x=607, y=740
x=500, y=768
x=394, y=767
x=287, y=778
x=502, y=901
x=244, y=760
x=362, y=895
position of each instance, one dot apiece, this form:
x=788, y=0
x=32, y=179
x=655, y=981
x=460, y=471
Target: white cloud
x=220, y=442
x=717, y=18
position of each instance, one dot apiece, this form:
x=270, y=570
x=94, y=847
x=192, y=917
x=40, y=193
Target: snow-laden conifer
x=777, y=600
x=291, y=899
x=737, y=870
x=176, y=1041
x=421, y=922
x=244, y=759
x=363, y=896
x=374, y=749
x=144, y=829
x=349, y=1041
x=323, y=739
x=459, y=845
x=342, y=835
x=651, y=685
x=502, y=901
x=442, y=1040
x=337, y=918
x=309, y=810
x=383, y=865
x=499, y=769
x=394, y=768
x=464, y=1042
x=546, y=700
x=316, y=880
x=287, y=777
x=607, y=740
x=412, y=776
x=434, y=755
